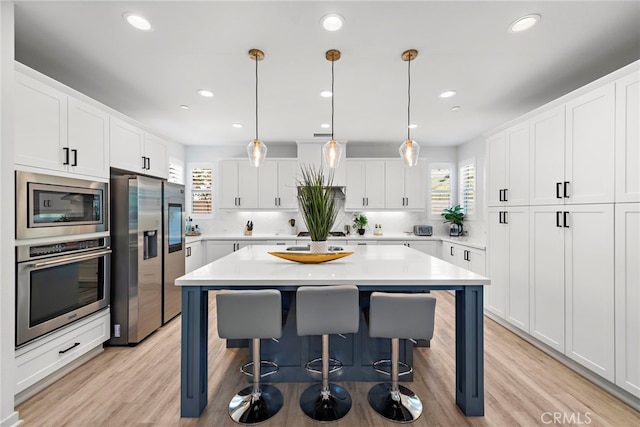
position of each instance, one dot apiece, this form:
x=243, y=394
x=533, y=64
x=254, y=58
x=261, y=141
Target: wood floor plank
x=140, y=386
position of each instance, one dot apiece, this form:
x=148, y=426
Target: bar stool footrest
x=263, y=373
x=377, y=368
x=334, y=365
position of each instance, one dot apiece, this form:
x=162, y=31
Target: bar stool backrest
x=325, y=310
x=397, y=315
x=249, y=314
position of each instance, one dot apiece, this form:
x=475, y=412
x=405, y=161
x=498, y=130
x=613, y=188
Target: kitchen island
x=372, y=268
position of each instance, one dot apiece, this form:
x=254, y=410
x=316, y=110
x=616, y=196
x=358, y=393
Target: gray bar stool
x=395, y=316
x=252, y=314
x=324, y=310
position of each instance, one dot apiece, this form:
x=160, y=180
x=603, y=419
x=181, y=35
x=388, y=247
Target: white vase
x=319, y=247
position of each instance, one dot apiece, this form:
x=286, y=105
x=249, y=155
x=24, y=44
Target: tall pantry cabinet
x=583, y=152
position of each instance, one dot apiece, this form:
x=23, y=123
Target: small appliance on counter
x=423, y=230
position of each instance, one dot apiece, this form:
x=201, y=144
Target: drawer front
x=36, y=361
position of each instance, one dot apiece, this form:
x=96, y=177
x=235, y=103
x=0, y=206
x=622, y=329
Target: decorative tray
x=310, y=258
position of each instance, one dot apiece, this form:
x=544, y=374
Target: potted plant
x=317, y=205
x=455, y=216
x=360, y=221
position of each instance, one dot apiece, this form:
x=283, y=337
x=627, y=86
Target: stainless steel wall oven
x=51, y=206
x=58, y=283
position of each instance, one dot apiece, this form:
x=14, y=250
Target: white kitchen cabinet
x=356, y=242
x=194, y=256
x=310, y=154
x=58, y=132
x=237, y=184
x=44, y=356
x=547, y=132
x=508, y=166
x=277, y=185
x=404, y=187
x=589, y=279
x=135, y=150
x=365, y=184
x=627, y=296
x=281, y=242
x=628, y=138
x=467, y=257
x=508, y=263
x=589, y=149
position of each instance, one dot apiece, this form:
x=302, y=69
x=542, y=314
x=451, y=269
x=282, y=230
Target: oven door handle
x=67, y=260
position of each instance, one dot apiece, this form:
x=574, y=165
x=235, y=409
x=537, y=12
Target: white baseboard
x=12, y=420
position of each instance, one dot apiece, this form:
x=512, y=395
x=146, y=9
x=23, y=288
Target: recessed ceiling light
x=184, y=107
x=237, y=125
x=205, y=92
x=448, y=93
x=326, y=94
x=524, y=23
x=413, y=126
x=325, y=126
x=456, y=108
x=332, y=22
x=137, y=21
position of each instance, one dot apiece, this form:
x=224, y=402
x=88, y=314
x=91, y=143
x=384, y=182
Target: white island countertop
x=387, y=265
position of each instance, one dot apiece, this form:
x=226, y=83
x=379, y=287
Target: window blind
x=467, y=188
x=201, y=191
x=440, y=190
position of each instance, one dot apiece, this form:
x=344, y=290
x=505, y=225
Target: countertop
x=369, y=265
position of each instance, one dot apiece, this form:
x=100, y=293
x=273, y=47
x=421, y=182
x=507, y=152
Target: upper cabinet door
x=356, y=185
x=40, y=125
x=496, y=169
x=127, y=143
x=628, y=138
x=547, y=157
x=247, y=185
x=590, y=146
x=414, y=186
x=516, y=192
x=268, y=195
x=228, y=184
x=287, y=188
x=375, y=183
x=155, y=151
x=88, y=137
x=394, y=183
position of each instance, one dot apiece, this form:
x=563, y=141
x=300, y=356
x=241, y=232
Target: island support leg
x=470, y=351
x=193, y=363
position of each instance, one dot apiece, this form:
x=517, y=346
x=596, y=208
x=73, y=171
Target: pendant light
x=409, y=150
x=256, y=149
x=332, y=150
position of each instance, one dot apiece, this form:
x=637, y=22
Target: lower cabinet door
x=496, y=293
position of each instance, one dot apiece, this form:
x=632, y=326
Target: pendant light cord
x=256, y=58
x=332, y=97
x=409, y=99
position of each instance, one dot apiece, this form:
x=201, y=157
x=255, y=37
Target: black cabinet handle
x=505, y=218
x=70, y=348
x=144, y=162
x=500, y=217
x=566, y=223
x=500, y=195
x=75, y=157
x=506, y=195
x=451, y=251
x=558, y=213
x=558, y=185
x=66, y=156
x=148, y=163
x=466, y=255
x=566, y=189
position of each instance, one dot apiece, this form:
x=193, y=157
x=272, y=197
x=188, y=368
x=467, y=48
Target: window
x=467, y=187
x=440, y=181
x=201, y=191
x=176, y=172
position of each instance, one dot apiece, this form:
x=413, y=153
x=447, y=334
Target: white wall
x=8, y=416
x=225, y=222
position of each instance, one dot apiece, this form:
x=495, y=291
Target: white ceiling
x=463, y=45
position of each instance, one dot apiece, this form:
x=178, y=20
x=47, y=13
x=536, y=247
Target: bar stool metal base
x=325, y=409
x=405, y=408
x=248, y=407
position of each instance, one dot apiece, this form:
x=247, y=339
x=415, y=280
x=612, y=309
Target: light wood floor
x=141, y=386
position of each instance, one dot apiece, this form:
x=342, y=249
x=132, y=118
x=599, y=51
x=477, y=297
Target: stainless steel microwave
x=50, y=206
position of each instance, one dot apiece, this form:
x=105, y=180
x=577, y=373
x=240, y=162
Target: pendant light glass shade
x=256, y=149
x=332, y=150
x=257, y=152
x=409, y=150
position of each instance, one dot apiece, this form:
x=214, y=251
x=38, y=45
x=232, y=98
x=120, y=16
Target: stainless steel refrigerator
x=173, y=249
x=142, y=252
